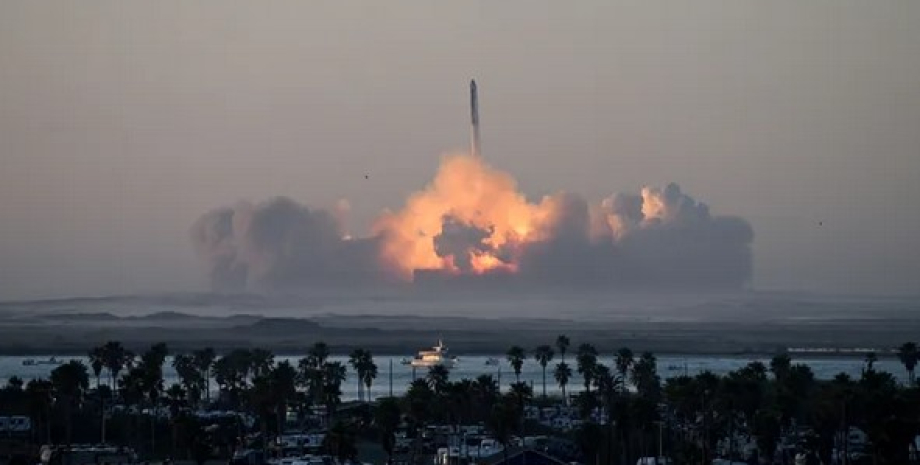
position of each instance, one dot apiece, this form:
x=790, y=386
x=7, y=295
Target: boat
x=32, y=362
x=437, y=356
x=492, y=361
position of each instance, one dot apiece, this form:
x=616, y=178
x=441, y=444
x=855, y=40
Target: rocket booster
x=474, y=119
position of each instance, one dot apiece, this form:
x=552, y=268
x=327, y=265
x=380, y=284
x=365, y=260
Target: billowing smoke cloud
x=280, y=243
x=471, y=222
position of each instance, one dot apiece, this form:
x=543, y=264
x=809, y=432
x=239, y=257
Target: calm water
x=473, y=366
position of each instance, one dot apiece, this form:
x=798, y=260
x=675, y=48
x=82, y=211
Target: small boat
x=32, y=362
x=492, y=361
x=436, y=356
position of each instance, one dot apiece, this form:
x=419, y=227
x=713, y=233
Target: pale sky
x=122, y=122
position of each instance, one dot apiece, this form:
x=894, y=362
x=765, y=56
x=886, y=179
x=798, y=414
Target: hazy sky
x=122, y=122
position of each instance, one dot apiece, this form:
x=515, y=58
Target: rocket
x=474, y=119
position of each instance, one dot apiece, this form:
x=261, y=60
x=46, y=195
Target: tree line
x=686, y=416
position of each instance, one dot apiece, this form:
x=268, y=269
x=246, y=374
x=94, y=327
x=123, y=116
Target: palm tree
x=370, y=374
x=231, y=372
x=645, y=376
x=871, y=358
x=97, y=363
x=587, y=362
x=387, y=418
x=177, y=401
x=261, y=401
x=116, y=358
x=152, y=381
x=485, y=393
x=624, y=361
x=189, y=376
x=563, y=374
x=358, y=360
x=70, y=381
x=419, y=398
x=261, y=362
x=284, y=389
x=204, y=361
x=438, y=378
x=503, y=422
x=909, y=356
x=334, y=374
x=543, y=354
x=516, y=356
x=318, y=353
x=39, y=393
x=562, y=343
x=521, y=393
x=779, y=365
x=311, y=370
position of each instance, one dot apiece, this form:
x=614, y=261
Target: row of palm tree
x=363, y=364
x=766, y=401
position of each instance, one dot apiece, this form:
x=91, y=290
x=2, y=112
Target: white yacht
x=436, y=356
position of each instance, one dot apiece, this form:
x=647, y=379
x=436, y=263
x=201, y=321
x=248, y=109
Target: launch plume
x=280, y=243
x=471, y=222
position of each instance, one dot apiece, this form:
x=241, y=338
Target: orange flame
x=468, y=190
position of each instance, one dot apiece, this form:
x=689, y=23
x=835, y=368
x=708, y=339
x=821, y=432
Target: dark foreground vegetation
x=257, y=408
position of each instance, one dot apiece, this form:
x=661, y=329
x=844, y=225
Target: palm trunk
x=544, y=381
x=175, y=435
x=69, y=414
x=153, y=433
x=102, y=409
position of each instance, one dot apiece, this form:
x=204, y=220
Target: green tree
x=516, y=356
x=363, y=364
x=204, y=361
x=438, y=377
x=503, y=422
x=334, y=374
x=283, y=379
x=340, y=442
x=311, y=371
x=645, y=376
x=587, y=363
x=176, y=397
x=369, y=375
x=909, y=357
x=871, y=359
x=388, y=419
x=97, y=363
x=70, y=381
x=116, y=359
x=543, y=355
x=40, y=394
x=231, y=372
x=189, y=375
x=562, y=374
x=562, y=343
x=485, y=394
x=356, y=360
x=624, y=361
x=261, y=362
x=779, y=365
